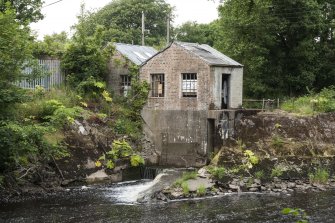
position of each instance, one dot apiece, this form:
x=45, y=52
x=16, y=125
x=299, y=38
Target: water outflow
x=150, y=172
x=127, y=192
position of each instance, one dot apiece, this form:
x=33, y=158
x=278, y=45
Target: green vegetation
x=250, y=159
x=120, y=149
x=259, y=174
x=312, y=103
x=217, y=172
x=298, y=214
x=185, y=187
x=277, y=141
x=201, y=191
x=278, y=63
x=121, y=20
x=320, y=176
x=277, y=171
x=185, y=177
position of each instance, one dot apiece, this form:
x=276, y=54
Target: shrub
x=120, y=149
x=217, y=172
x=320, y=176
x=259, y=174
x=277, y=171
x=277, y=142
x=49, y=107
x=136, y=160
x=201, y=191
x=65, y=116
x=21, y=143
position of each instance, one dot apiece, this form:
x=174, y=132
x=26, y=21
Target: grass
x=185, y=187
x=320, y=176
x=185, y=177
x=201, y=191
x=312, y=103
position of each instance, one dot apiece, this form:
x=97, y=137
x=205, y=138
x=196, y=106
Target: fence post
x=263, y=105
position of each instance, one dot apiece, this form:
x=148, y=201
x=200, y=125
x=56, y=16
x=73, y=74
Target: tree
x=122, y=21
x=196, y=33
x=277, y=42
x=52, y=45
x=86, y=57
x=14, y=54
x=26, y=11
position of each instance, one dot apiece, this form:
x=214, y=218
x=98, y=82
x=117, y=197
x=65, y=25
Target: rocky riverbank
x=212, y=187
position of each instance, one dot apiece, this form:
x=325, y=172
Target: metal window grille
x=125, y=84
x=189, y=85
x=157, y=85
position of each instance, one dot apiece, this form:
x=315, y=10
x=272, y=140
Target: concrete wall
x=235, y=85
x=180, y=137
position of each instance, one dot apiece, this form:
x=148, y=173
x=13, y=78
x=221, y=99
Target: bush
x=120, y=149
x=277, y=171
x=65, y=116
x=136, y=160
x=320, y=176
x=217, y=172
x=19, y=144
x=277, y=142
x=259, y=174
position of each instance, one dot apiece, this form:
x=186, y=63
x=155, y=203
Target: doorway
x=225, y=91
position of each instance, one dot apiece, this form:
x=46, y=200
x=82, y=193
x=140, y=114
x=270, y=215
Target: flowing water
x=117, y=203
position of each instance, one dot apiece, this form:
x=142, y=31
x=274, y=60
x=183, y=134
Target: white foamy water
x=128, y=192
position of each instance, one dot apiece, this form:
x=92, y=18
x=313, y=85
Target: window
x=125, y=84
x=189, y=85
x=157, y=85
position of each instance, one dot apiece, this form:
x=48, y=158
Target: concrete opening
x=210, y=135
x=225, y=91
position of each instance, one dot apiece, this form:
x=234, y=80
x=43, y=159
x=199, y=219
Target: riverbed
x=117, y=203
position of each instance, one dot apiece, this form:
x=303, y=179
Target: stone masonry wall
x=117, y=66
x=172, y=63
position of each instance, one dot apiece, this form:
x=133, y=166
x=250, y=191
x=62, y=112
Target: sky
x=62, y=15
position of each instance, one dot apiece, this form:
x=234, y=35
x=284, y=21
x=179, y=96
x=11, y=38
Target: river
x=117, y=203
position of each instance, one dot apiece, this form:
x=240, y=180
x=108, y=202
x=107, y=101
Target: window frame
x=157, y=85
x=125, y=84
x=189, y=85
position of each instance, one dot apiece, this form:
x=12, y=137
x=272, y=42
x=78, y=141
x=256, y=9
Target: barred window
x=157, y=85
x=125, y=84
x=189, y=85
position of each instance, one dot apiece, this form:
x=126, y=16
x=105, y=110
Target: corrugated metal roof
x=136, y=54
x=209, y=54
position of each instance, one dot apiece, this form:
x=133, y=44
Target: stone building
x=191, y=86
x=126, y=55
